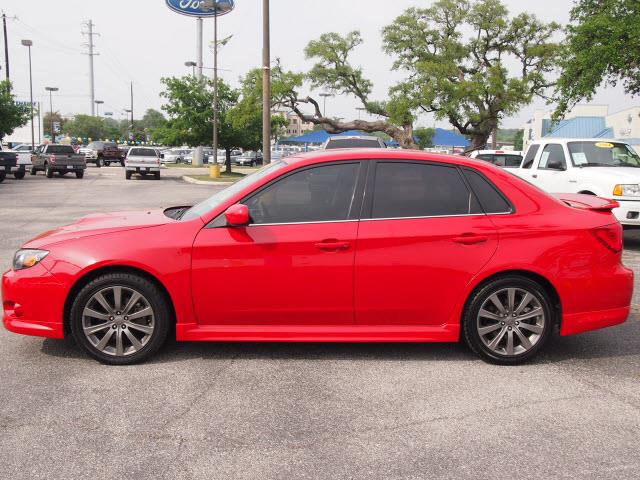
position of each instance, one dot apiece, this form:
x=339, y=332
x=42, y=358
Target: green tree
x=518, y=140
x=603, y=45
x=454, y=55
x=84, y=126
x=12, y=114
x=56, y=117
x=424, y=137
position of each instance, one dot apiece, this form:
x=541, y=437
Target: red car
x=343, y=246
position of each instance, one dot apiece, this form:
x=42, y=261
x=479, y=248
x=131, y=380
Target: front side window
x=552, y=158
x=530, y=156
x=317, y=194
x=420, y=190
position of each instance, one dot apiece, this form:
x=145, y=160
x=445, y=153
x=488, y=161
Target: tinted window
x=353, y=143
x=312, y=195
x=415, y=190
x=552, y=157
x=490, y=199
x=502, y=160
x=64, y=149
x=529, y=157
x=143, y=152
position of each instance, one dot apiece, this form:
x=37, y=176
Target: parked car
x=22, y=148
x=173, y=155
x=500, y=158
x=143, y=161
x=399, y=246
x=14, y=163
x=102, y=153
x=55, y=158
x=606, y=168
x=8, y=164
x=248, y=159
x=353, y=142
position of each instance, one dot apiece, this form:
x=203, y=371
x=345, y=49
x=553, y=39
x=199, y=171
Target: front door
x=425, y=238
x=293, y=264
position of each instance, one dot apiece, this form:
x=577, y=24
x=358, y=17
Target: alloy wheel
x=118, y=321
x=511, y=321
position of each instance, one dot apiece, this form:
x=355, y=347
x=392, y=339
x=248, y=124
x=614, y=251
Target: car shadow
x=632, y=239
x=610, y=343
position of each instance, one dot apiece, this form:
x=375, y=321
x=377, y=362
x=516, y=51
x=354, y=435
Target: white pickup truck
x=143, y=161
x=606, y=168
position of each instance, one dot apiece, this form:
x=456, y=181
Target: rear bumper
x=33, y=302
x=140, y=169
x=583, y=322
x=67, y=168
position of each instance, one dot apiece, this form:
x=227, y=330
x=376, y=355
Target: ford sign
x=201, y=8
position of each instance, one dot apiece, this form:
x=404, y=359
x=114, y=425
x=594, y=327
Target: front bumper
x=628, y=213
x=33, y=302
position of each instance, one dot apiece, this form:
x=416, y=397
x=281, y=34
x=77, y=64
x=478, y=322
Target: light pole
x=324, y=103
x=28, y=44
x=98, y=103
x=193, y=67
x=266, y=85
x=130, y=111
x=51, y=90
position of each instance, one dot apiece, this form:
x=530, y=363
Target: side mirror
x=237, y=215
x=555, y=165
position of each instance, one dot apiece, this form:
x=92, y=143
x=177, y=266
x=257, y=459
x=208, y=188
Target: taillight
x=53, y=158
x=610, y=236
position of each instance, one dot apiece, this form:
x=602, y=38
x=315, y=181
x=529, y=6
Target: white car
x=143, y=161
x=500, y=158
x=24, y=152
x=606, y=168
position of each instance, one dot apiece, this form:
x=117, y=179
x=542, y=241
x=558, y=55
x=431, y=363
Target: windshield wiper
x=596, y=164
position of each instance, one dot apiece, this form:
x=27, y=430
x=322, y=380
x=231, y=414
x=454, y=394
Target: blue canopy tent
x=442, y=138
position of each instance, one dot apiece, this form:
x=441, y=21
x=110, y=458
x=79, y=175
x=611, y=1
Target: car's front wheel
x=120, y=318
x=19, y=175
x=508, y=320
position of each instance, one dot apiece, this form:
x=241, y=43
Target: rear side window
x=419, y=190
x=502, y=160
x=490, y=198
x=530, y=156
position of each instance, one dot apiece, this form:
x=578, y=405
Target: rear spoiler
x=587, y=202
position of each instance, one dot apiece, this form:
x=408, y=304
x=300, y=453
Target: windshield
x=142, y=152
x=223, y=195
x=603, y=154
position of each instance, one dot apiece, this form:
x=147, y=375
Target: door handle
x=332, y=245
x=470, y=239
x=534, y=175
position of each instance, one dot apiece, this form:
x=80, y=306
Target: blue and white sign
x=201, y=8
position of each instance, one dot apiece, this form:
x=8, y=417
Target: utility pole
x=132, y=110
x=215, y=90
x=91, y=53
x=6, y=46
x=266, y=85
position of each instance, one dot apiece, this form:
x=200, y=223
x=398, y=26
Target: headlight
x=627, y=190
x=28, y=258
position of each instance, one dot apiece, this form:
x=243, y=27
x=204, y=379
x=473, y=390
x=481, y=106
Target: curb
x=204, y=182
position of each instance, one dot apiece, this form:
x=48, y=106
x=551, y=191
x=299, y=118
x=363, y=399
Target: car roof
x=321, y=156
x=567, y=140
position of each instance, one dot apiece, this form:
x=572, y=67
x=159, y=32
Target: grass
x=224, y=177
x=184, y=165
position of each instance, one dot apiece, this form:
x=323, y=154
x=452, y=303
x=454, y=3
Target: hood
x=614, y=174
x=98, y=224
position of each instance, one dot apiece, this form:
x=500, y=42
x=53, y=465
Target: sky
x=141, y=41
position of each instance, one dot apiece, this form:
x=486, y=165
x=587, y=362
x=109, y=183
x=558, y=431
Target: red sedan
x=339, y=246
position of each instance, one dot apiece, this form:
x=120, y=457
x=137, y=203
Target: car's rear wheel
x=19, y=175
x=33, y=171
x=98, y=162
x=157, y=175
x=80, y=174
x=107, y=163
x=508, y=320
x=120, y=318
x=2, y=176
x=48, y=171
x=127, y=175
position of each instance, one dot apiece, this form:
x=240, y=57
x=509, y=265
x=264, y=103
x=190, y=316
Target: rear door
x=422, y=237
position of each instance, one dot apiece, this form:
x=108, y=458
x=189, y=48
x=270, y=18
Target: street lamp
x=324, y=105
x=192, y=65
x=28, y=44
x=51, y=90
x=98, y=103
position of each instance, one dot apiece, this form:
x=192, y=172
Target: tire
x=33, y=171
x=156, y=175
x=98, y=162
x=19, y=175
x=107, y=163
x=127, y=175
x=2, y=177
x=151, y=324
x=122, y=163
x=48, y=171
x=504, y=323
x=80, y=174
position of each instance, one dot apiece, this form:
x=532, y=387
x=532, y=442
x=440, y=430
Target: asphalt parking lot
x=336, y=411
